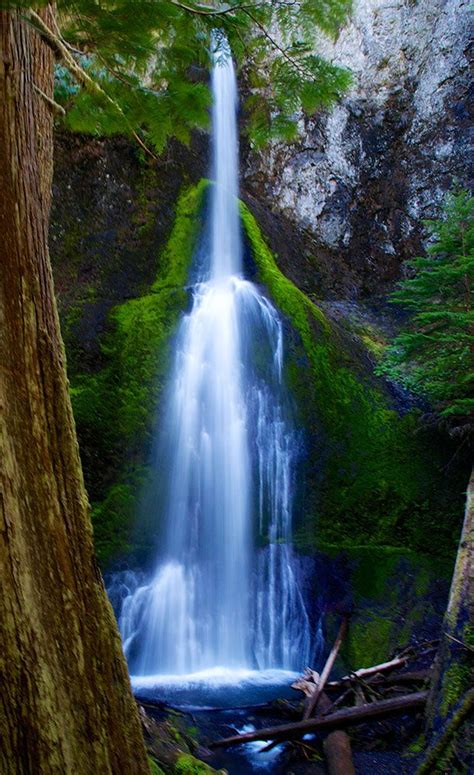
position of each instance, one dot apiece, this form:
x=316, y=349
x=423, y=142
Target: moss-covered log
x=66, y=705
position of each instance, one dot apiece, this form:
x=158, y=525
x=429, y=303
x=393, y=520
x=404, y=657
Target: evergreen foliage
x=433, y=355
x=141, y=65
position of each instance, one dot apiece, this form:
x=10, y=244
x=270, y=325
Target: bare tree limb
x=314, y=698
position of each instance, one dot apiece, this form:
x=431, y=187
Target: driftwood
x=339, y=719
x=313, y=696
x=364, y=672
x=338, y=753
x=337, y=745
x=414, y=676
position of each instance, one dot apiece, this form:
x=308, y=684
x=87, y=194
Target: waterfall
x=229, y=449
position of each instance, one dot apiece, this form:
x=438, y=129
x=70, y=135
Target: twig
x=52, y=104
x=201, y=10
x=461, y=643
x=302, y=70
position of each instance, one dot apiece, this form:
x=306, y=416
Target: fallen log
x=336, y=746
x=363, y=672
x=338, y=753
x=313, y=699
x=339, y=719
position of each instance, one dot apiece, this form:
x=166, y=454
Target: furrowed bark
x=451, y=690
x=66, y=704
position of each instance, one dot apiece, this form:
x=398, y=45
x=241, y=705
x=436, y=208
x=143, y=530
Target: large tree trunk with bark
x=66, y=704
x=452, y=698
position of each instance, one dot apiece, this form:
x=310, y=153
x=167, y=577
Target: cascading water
x=227, y=437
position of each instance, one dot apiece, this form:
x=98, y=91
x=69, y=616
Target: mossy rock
x=396, y=596
x=115, y=408
x=376, y=477
x=187, y=764
x=372, y=477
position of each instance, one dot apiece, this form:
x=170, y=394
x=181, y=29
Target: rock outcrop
x=363, y=175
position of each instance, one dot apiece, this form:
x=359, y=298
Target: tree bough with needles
x=141, y=66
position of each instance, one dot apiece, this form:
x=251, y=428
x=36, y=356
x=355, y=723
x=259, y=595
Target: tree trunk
x=66, y=704
x=453, y=668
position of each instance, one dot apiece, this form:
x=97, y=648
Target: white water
x=229, y=449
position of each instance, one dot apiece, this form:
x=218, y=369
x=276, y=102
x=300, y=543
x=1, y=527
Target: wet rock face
x=111, y=215
x=363, y=175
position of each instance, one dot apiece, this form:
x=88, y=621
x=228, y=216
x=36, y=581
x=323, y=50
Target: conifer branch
x=55, y=39
x=206, y=11
x=305, y=73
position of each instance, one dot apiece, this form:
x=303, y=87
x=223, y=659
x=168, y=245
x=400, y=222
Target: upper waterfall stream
x=229, y=448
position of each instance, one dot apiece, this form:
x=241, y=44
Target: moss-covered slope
x=376, y=477
x=371, y=475
x=115, y=407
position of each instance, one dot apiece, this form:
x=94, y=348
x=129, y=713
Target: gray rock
x=364, y=174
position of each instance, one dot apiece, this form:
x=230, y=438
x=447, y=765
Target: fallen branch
x=338, y=752
x=313, y=699
x=381, y=681
x=414, y=676
x=342, y=718
x=366, y=671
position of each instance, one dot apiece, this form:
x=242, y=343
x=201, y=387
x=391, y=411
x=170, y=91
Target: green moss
x=116, y=406
x=373, y=344
x=391, y=597
x=456, y=681
x=189, y=765
x=418, y=745
x=154, y=769
x=368, y=641
x=374, y=472
x=371, y=479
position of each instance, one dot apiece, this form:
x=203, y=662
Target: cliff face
x=111, y=215
x=363, y=175
x=340, y=210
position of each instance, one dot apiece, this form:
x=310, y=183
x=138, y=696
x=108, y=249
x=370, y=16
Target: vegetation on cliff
x=115, y=407
x=373, y=476
x=433, y=355
x=378, y=475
